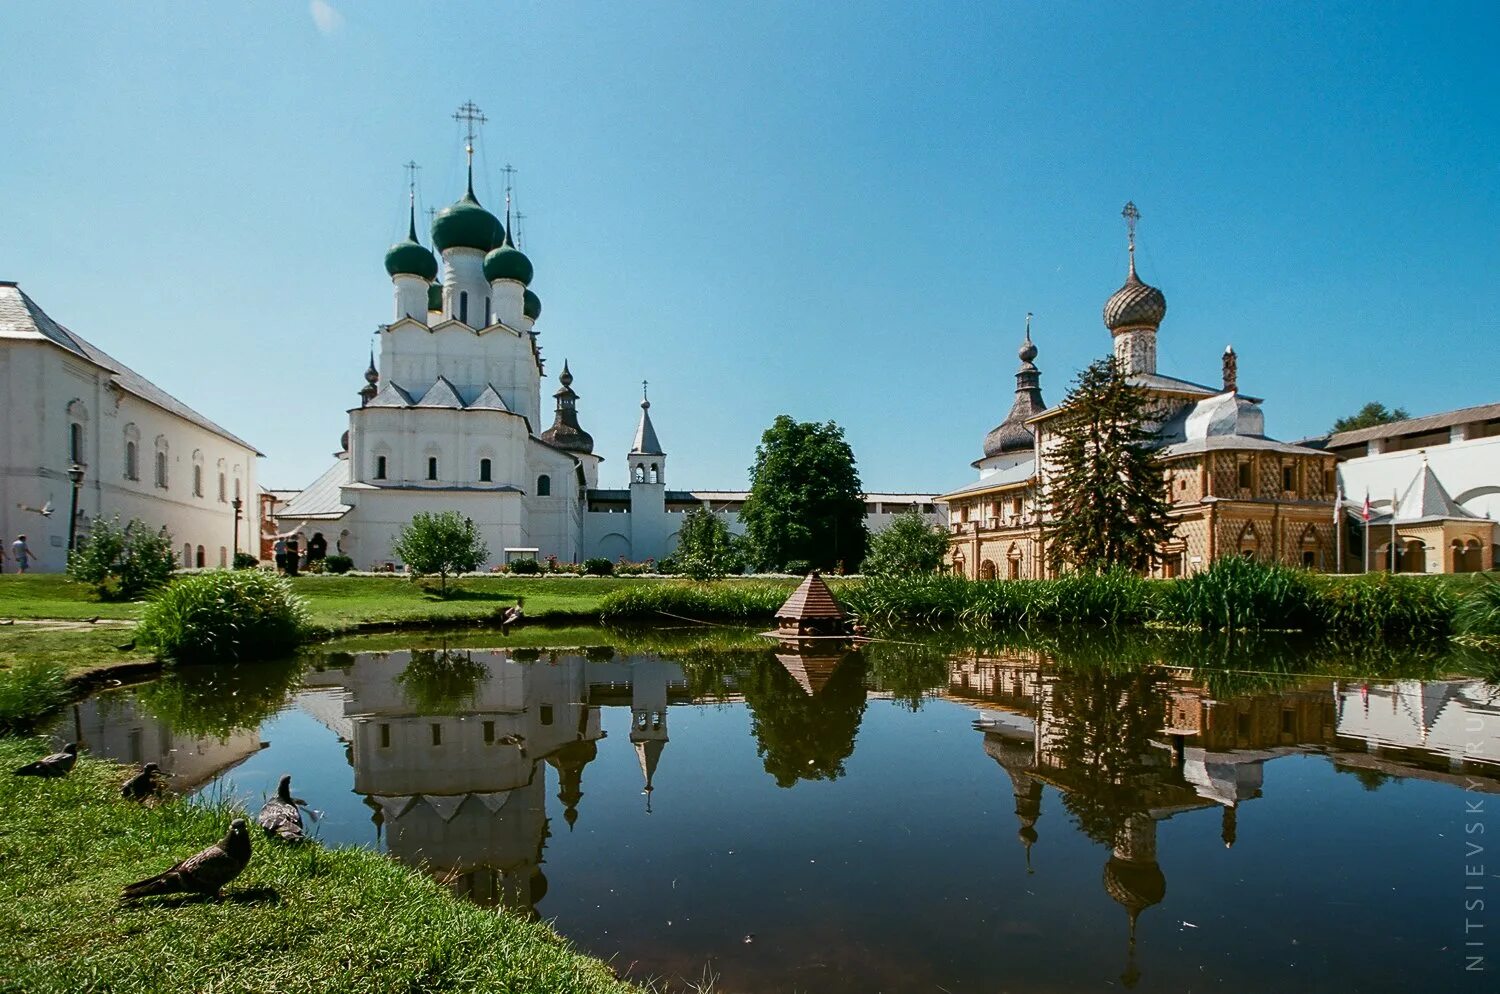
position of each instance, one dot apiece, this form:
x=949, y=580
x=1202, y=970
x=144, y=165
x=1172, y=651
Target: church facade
x=1234, y=490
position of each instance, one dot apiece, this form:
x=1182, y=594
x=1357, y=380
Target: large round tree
x=806, y=506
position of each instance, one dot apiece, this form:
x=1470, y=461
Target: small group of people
x=20, y=554
x=290, y=558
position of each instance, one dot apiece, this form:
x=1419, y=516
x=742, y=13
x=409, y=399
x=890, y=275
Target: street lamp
x=236, y=504
x=75, y=477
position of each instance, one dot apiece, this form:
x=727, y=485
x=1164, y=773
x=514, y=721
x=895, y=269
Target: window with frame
x=484, y=471
x=132, y=461
x=75, y=443
x=544, y=486
x=432, y=467
x=1289, y=477
x=223, y=487
x=161, y=469
x=197, y=481
x=1245, y=477
x=380, y=467
x=463, y=306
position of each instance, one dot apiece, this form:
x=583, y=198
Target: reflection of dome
x=1135, y=305
x=1134, y=886
x=569, y=762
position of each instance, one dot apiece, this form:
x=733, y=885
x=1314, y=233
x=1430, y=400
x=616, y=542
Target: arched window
x=236, y=488
x=132, y=462
x=380, y=467
x=484, y=471
x=197, y=481
x=75, y=442
x=223, y=483
x=544, y=486
x=432, y=467
x=201, y=559
x=486, y=312
x=463, y=306
x=654, y=477
x=161, y=462
x=223, y=557
x=640, y=474
x=187, y=552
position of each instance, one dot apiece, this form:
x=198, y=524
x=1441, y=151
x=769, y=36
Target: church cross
x=1131, y=216
x=469, y=115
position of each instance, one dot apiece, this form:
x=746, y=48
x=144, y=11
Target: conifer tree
x=1107, y=499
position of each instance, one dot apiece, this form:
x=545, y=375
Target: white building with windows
x=450, y=420
x=145, y=455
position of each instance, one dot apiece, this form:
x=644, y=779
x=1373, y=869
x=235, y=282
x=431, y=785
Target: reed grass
x=738, y=601
x=30, y=690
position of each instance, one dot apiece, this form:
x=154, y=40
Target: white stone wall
x=45, y=390
x=413, y=356
x=1468, y=470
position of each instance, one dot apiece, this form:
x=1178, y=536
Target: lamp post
x=75, y=477
x=237, y=504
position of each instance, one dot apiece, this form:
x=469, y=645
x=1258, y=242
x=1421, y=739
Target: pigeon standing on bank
x=206, y=872
x=280, y=816
x=144, y=784
x=56, y=765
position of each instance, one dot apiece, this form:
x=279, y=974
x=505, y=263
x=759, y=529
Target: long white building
x=145, y=455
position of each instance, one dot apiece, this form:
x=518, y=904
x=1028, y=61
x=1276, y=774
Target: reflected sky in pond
x=1048, y=816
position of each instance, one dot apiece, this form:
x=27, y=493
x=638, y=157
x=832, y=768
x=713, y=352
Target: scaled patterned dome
x=508, y=263
x=465, y=224
x=1136, y=304
x=531, y=305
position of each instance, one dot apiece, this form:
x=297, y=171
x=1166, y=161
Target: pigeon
x=202, y=873
x=144, y=784
x=280, y=816
x=512, y=616
x=127, y=646
x=56, y=765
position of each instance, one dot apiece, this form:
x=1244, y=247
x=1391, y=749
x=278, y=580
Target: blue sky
x=837, y=211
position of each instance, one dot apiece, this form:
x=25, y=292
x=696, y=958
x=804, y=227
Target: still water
x=894, y=818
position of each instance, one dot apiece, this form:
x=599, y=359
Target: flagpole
x=1338, y=531
x=1393, y=531
x=1365, y=514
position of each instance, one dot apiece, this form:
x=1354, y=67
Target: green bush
x=440, y=542
x=1112, y=597
x=243, y=560
x=28, y=691
x=1238, y=593
x=798, y=567
x=730, y=602
x=909, y=544
x=224, y=615
x=338, y=564
x=1478, y=614
x=1385, y=605
x=525, y=567
x=122, y=563
x=598, y=567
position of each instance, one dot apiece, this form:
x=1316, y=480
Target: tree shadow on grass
x=245, y=895
x=461, y=594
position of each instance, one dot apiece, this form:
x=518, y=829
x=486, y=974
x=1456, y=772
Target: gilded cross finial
x=1131, y=216
x=469, y=115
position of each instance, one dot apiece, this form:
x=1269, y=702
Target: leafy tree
x=806, y=502
x=908, y=545
x=1108, y=500
x=440, y=542
x=705, y=548
x=122, y=563
x=1372, y=414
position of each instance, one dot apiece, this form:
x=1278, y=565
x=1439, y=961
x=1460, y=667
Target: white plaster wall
x=414, y=356
x=39, y=381
x=1469, y=471
x=377, y=516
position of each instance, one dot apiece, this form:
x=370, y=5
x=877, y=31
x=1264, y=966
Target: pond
x=1067, y=815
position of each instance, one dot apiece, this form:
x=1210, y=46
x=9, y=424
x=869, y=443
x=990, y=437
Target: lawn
x=299, y=918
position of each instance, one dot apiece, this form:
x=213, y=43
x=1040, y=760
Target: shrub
x=1383, y=605
x=224, y=615
x=798, y=567
x=338, y=564
x=122, y=563
x=705, y=548
x=243, y=560
x=598, y=567
x=1478, y=614
x=737, y=602
x=909, y=544
x=441, y=542
x=28, y=691
x=525, y=567
x=1239, y=593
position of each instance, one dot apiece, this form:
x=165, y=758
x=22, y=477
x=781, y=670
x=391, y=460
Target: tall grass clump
x=1382, y=605
x=1237, y=593
x=1116, y=597
x=224, y=615
x=29, y=690
x=707, y=601
x=1478, y=614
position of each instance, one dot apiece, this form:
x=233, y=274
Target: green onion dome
x=435, y=297
x=465, y=224
x=410, y=258
x=531, y=305
x=508, y=263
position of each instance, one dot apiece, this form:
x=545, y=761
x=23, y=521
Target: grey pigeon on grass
x=144, y=784
x=56, y=765
x=206, y=872
x=280, y=816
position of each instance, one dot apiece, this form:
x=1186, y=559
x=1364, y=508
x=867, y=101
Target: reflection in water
x=449, y=753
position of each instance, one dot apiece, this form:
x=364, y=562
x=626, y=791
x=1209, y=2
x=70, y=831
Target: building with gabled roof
x=144, y=454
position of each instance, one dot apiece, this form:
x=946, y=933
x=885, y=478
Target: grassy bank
x=299, y=919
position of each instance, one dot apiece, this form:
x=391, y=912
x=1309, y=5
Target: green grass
x=344, y=603
x=52, y=595
x=728, y=600
x=299, y=919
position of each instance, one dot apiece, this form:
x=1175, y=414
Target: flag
x=1364, y=512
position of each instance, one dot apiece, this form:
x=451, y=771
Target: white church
x=450, y=419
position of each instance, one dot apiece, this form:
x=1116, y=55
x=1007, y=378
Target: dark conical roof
x=1012, y=434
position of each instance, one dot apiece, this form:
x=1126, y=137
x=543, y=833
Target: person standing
x=21, y=553
x=279, y=549
x=293, y=556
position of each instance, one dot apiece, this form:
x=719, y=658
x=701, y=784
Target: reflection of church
x=450, y=749
x=1211, y=750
